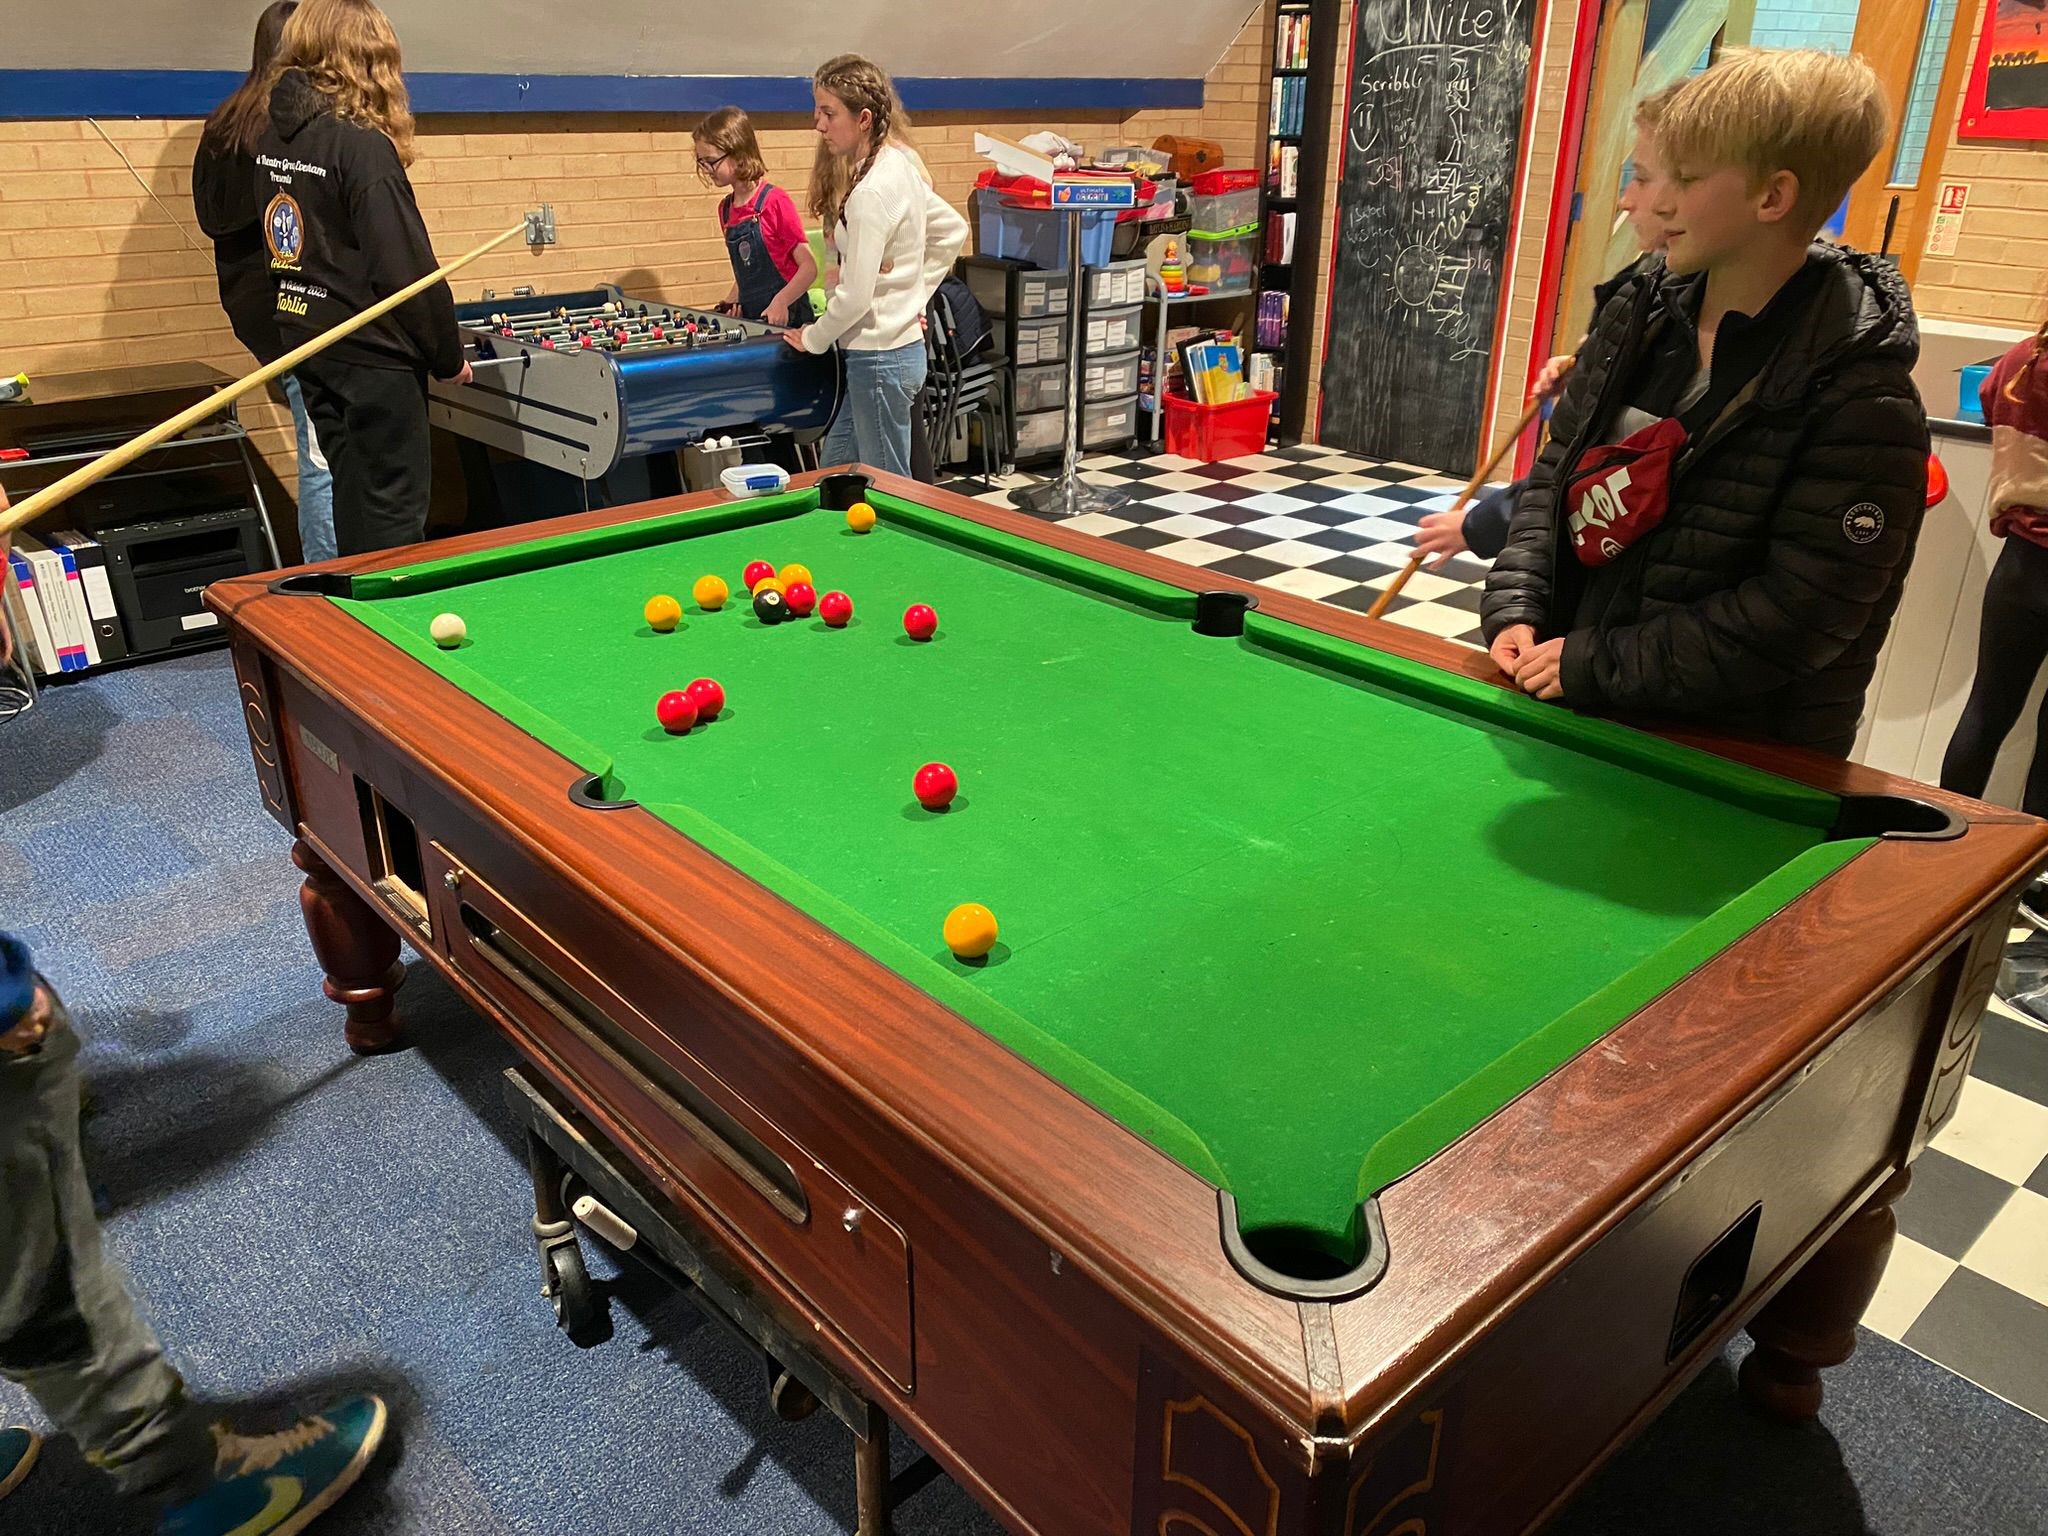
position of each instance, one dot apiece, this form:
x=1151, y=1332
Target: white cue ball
x=448, y=630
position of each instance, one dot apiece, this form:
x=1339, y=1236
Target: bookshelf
x=1301, y=64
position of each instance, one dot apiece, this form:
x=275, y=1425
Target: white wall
x=1173, y=39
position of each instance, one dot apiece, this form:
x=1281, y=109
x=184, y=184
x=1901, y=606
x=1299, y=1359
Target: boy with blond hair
x=1721, y=522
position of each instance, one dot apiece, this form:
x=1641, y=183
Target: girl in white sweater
x=893, y=240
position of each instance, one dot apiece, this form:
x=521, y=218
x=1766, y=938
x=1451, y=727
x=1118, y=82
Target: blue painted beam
x=194, y=92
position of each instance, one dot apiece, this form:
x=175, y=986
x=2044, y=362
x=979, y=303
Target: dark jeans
x=68, y=1331
x=372, y=425
x=2011, y=646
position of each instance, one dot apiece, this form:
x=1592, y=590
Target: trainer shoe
x=277, y=1485
x=18, y=1451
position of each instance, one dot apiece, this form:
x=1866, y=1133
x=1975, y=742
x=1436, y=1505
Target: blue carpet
x=300, y=1222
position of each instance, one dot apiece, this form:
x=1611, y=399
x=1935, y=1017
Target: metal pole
x=1069, y=495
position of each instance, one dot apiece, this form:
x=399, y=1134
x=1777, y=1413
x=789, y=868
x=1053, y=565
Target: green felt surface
x=1297, y=912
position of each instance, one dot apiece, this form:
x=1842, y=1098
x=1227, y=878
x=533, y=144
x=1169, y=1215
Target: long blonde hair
x=863, y=86
x=349, y=52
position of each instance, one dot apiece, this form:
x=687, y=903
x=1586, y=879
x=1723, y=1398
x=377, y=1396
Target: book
x=66, y=632
x=25, y=584
x=101, y=613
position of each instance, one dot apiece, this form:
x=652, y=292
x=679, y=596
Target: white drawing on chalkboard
x=1415, y=271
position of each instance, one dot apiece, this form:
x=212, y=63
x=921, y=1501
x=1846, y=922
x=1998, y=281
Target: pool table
x=1384, y=1089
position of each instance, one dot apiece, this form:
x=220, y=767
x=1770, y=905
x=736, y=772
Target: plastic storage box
x=1107, y=378
x=1038, y=341
x=1103, y=425
x=1223, y=263
x=1222, y=200
x=1038, y=235
x=1005, y=288
x=1042, y=388
x=1119, y=283
x=1113, y=330
x=1207, y=433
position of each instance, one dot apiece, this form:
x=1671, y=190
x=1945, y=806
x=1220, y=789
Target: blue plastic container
x=1969, y=407
x=1038, y=235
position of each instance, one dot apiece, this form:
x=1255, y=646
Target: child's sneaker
x=18, y=1450
x=276, y=1485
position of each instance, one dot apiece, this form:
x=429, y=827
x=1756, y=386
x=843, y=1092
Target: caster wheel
x=581, y=1310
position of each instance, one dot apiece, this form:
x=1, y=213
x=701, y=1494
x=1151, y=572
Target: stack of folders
x=60, y=605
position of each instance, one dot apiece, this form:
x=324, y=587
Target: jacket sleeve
x=393, y=239
x=1839, y=542
x=1519, y=586
x=1486, y=525
x=945, y=237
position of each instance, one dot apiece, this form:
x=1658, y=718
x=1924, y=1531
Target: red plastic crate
x=1216, y=183
x=1207, y=433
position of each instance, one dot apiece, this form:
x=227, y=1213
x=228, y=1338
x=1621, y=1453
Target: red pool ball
x=707, y=697
x=835, y=608
x=676, y=712
x=935, y=786
x=802, y=597
x=756, y=573
x=920, y=622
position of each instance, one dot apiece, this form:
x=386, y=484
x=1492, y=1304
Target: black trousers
x=2010, y=649
x=372, y=424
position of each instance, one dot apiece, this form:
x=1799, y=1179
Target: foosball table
x=584, y=382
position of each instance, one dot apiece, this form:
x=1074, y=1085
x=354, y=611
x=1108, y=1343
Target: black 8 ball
x=769, y=606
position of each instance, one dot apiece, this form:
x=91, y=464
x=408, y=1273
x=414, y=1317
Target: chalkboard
x=1424, y=196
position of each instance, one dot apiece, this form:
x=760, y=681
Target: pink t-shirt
x=780, y=226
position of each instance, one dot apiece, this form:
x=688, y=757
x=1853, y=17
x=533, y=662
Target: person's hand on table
x=1550, y=382
x=467, y=376
x=796, y=340
x=1441, y=535
x=1509, y=644
x=1539, y=671
x=777, y=312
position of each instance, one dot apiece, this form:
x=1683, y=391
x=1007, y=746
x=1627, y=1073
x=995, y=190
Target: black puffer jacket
x=1758, y=605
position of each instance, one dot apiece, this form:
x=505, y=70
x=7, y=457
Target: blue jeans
x=875, y=419
x=316, y=483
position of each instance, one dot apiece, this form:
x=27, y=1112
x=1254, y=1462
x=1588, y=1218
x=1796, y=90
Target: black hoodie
x=224, y=196
x=342, y=231
x=1760, y=602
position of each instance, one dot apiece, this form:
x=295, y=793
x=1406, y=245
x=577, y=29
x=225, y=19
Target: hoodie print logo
x=284, y=231
x=1862, y=523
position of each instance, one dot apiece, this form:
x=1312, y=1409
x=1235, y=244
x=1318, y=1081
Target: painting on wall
x=2007, y=97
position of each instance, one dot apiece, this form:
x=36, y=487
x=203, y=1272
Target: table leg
x=871, y=1477
x=357, y=950
x=1811, y=1323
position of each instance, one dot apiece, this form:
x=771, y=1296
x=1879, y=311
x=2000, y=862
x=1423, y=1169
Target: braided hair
x=861, y=86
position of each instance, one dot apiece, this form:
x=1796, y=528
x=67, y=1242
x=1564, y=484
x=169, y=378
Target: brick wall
x=93, y=273
x=1997, y=273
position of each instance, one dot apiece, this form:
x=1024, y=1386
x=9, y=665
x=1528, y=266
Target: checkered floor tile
x=1967, y=1285
x=1306, y=520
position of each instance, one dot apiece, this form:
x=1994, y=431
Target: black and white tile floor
x=1967, y=1285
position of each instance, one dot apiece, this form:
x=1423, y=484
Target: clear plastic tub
x=1113, y=330
x=1109, y=378
x=1039, y=341
x=1223, y=263
x=1042, y=388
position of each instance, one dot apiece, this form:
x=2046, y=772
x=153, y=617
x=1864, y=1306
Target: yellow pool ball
x=791, y=574
x=663, y=613
x=710, y=593
x=773, y=584
x=860, y=517
x=970, y=930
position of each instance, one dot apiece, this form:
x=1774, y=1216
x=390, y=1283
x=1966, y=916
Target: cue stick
x=58, y=492
x=1379, y=606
